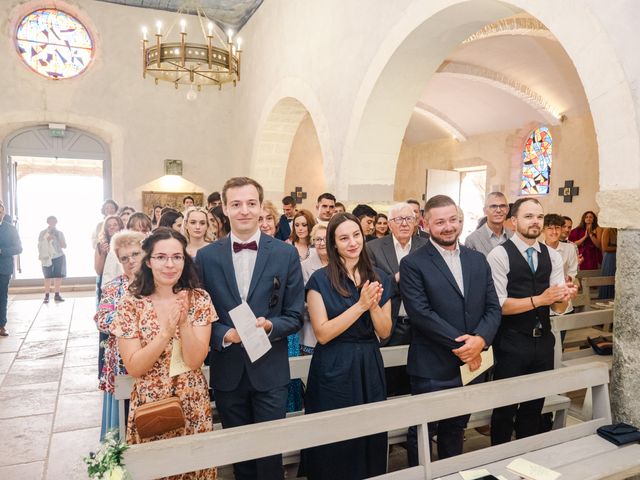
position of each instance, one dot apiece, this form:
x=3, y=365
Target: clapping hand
x=370, y=295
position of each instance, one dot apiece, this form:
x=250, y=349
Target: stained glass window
x=54, y=44
x=536, y=163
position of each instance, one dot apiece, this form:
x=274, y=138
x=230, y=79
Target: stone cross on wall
x=299, y=195
x=568, y=191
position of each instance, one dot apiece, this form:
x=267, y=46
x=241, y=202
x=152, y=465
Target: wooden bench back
x=586, y=282
x=223, y=447
x=575, y=321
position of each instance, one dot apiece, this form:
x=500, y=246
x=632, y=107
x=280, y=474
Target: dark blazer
x=284, y=229
x=276, y=292
x=439, y=313
x=10, y=245
x=383, y=255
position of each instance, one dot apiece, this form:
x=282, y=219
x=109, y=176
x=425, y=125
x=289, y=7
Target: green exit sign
x=56, y=132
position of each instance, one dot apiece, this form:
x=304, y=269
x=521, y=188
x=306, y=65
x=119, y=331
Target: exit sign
x=56, y=132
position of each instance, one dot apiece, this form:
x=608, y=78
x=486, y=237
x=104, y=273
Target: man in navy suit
x=448, y=292
x=248, y=266
x=286, y=219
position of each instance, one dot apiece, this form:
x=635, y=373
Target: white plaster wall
x=142, y=123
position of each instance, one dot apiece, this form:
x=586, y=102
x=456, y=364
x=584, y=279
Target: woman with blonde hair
x=300, y=238
x=195, y=228
x=268, y=218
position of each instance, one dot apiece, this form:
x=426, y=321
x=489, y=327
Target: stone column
x=622, y=209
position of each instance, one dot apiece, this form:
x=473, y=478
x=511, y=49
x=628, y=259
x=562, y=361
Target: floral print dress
x=136, y=318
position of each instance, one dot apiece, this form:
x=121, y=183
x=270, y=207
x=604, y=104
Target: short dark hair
x=109, y=202
x=327, y=196
x=516, y=205
x=289, y=200
x=188, y=197
x=144, y=285
x=567, y=218
x=362, y=210
x=51, y=217
x=553, y=219
x=237, y=182
x=167, y=209
x=167, y=219
x=213, y=197
x=415, y=202
x=437, y=201
x=340, y=204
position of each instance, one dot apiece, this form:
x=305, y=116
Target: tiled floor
x=49, y=403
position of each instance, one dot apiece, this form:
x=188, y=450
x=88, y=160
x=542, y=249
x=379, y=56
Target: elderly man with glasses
x=386, y=253
x=493, y=232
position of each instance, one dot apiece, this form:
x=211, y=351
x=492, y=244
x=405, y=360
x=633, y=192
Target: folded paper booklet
x=487, y=362
x=479, y=474
x=531, y=471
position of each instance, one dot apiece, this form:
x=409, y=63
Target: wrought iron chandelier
x=214, y=62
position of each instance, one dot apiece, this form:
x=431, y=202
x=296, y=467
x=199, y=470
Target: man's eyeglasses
x=401, y=220
x=164, y=259
x=133, y=256
x=495, y=208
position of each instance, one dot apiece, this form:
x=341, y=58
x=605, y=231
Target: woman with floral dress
x=127, y=249
x=165, y=311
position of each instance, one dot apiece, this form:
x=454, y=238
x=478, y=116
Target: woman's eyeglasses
x=320, y=241
x=164, y=259
x=133, y=256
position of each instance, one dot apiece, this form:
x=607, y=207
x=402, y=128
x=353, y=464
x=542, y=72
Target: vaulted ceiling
x=504, y=77
x=227, y=14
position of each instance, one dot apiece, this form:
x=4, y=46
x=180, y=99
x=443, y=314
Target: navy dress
x=346, y=371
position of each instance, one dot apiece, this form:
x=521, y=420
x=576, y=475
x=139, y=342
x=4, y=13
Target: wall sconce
x=172, y=167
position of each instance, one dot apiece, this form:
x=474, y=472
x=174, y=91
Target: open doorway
x=69, y=189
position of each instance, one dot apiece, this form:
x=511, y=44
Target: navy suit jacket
x=276, y=292
x=284, y=230
x=439, y=312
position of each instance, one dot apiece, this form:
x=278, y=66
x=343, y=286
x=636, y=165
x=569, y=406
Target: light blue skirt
x=110, y=417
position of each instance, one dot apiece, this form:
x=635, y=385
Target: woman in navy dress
x=349, y=306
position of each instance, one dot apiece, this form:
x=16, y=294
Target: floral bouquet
x=106, y=462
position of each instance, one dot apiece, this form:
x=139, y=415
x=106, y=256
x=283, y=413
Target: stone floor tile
x=25, y=372
x=81, y=356
x=79, y=379
x=83, y=339
x=23, y=471
x=24, y=440
x=5, y=361
x=67, y=450
x=42, y=349
x=12, y=342
x=56, y=332
x=26, y=400
x=78, y=411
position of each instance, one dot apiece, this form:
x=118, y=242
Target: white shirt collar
x=522, y=246
x=254, y=238
x=444, y=251
x=397, y=245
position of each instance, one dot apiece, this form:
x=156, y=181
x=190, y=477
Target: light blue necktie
x=530, y=258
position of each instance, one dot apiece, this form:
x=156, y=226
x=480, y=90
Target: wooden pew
x=575, y=451
x=392, y=356
x=586, y=297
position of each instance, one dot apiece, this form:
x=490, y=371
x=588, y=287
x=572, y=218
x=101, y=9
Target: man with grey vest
x=529, y=280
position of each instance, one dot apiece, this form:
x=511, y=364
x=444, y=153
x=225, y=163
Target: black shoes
x=46, y=298
x=58, y=298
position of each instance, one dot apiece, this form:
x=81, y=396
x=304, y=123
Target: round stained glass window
x=54, y=44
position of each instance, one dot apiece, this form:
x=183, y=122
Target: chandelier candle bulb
x=239, y=42
x=229, y=35
x=210, y=27
x=183, y=26
x=158, y=27
x=144, y=33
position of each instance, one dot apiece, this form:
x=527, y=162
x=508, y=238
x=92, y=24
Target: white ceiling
x=536, y=63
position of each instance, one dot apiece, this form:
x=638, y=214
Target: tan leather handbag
x=156, y=418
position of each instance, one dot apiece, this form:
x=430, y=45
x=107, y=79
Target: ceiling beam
x=518, y=25
x=549, y=112
x=441, y=120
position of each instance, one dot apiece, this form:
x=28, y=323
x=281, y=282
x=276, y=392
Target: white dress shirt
x=244, y=262
x=452, y=259
x=569, y=254
x=400, y=254
x=499, y=261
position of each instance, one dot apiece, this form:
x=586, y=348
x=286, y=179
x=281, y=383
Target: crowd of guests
x=337, y=286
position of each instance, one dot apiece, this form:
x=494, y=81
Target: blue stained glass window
x=54, y=43
x=536, y=163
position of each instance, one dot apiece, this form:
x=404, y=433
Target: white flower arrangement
x=106, y=462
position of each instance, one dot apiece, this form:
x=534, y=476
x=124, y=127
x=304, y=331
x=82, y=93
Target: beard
x=443, y=242
x=528, y=233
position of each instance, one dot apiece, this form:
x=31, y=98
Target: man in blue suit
x=286, y=219
x=248, y=266
x=448, y=292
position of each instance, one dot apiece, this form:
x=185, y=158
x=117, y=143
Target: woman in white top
x=195, y=228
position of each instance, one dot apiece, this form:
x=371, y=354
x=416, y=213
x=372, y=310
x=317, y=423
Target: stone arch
x=288, y=105
x=420, y=41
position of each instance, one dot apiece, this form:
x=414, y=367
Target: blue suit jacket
x=284, y=230
x=275, y=260
x=439, y=312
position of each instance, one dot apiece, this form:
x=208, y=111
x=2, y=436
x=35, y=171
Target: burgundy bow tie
x=238, y=247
